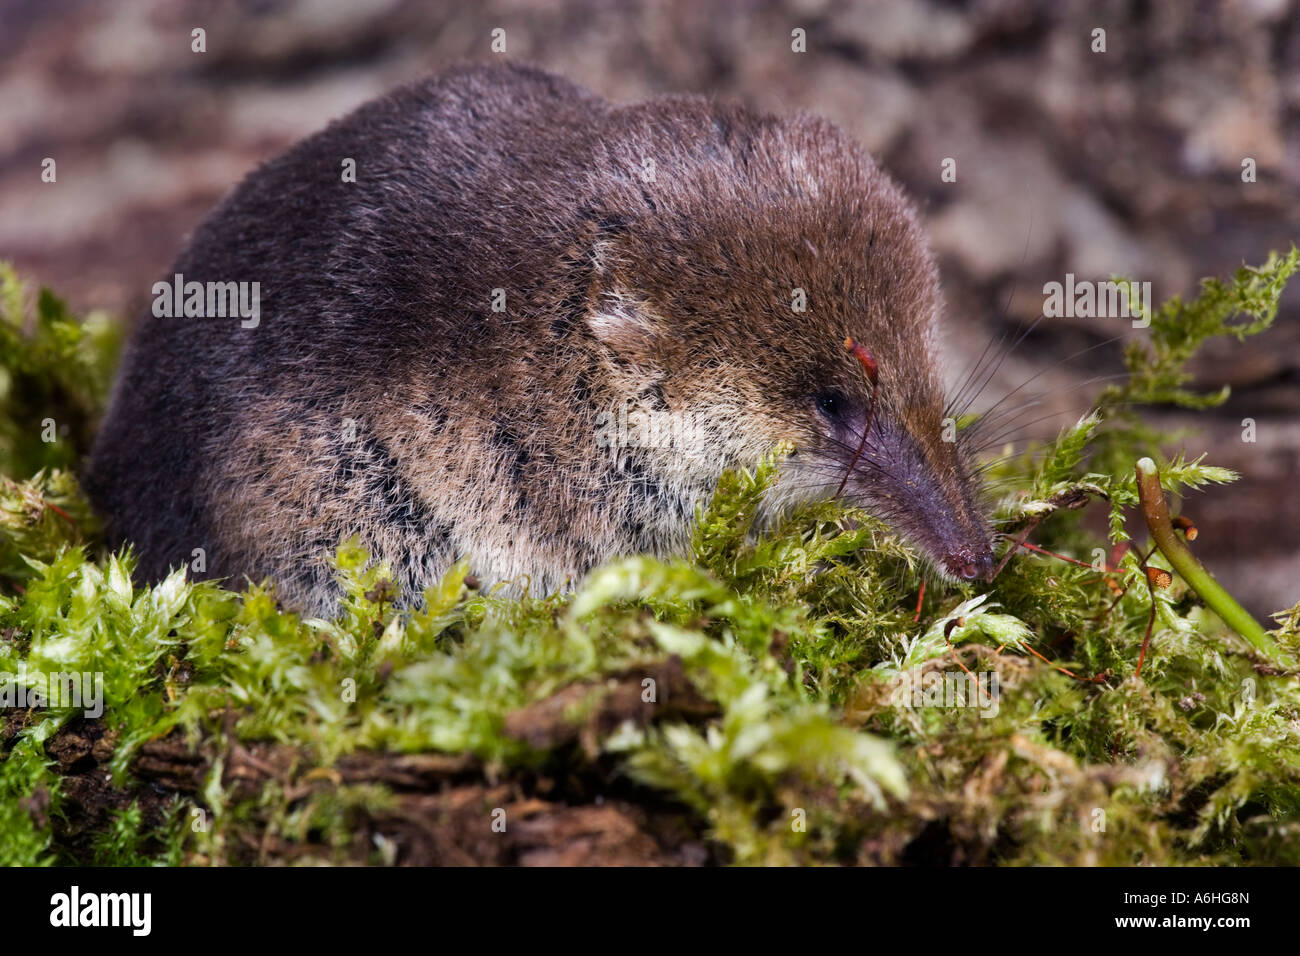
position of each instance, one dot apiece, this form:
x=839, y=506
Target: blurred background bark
x=1127, y=161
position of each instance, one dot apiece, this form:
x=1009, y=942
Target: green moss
x=797, y=642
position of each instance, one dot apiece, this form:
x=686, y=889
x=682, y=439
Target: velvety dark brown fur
x=382, y=395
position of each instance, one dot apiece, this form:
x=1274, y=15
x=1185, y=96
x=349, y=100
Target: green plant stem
x=1151, y=494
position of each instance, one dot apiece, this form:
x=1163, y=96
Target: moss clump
x=768, y=699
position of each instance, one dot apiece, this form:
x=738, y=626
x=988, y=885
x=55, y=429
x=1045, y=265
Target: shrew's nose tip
x=969, y=567
x=960, y=566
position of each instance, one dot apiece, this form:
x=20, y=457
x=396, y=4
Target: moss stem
x=1151, y=494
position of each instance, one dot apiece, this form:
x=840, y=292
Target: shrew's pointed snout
x=919, y=485
x=969, y=565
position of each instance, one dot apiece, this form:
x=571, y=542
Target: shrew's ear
x=627, y=327
x=617, y=315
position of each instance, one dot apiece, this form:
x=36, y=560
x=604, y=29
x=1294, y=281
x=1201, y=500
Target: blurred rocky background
x=1127, y=161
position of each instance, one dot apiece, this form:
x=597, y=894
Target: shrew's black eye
x=831, y=404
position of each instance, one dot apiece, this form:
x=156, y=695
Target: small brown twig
x=947, y=632
x=1024, y=535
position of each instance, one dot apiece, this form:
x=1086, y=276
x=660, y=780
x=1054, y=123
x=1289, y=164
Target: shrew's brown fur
x=649, y=257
